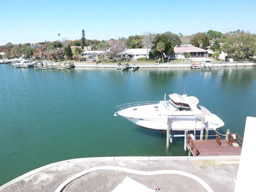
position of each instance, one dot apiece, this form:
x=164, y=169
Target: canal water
x=50, y=115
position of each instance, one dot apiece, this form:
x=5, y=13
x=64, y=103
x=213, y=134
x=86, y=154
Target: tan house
x=93, y=55
x=196, y=53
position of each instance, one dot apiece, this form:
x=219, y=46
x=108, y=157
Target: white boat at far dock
x=24, y=63
x=182, y=111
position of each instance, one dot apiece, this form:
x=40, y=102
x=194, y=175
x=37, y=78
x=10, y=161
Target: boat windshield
x=178, y=106
x=181, y=105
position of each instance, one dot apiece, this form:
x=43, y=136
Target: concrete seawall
x=163, y=65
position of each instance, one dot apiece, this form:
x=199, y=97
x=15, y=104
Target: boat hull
x=159, y=117
x=162, y=123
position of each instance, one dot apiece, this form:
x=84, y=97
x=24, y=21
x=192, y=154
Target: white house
x=93, y=55
x=2, y=54
x=222, y=56
x=134, y=54
x=195, y=52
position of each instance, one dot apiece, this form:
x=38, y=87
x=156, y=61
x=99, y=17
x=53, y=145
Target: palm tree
x=160, y=47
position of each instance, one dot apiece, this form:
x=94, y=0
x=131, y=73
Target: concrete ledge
x=148, y=173
x=220, y=159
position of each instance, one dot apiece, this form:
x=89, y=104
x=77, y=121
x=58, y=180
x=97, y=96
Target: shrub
x=142, y=59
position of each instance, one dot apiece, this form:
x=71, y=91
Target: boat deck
x=212, y=148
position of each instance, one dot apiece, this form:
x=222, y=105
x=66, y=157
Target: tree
x=54, y=45
x=239, y=44
x=187, y=55
x=200, y=40
x=160, y=47
x=216, y=46
x=75, y=43
x=163, y=44
x=103, y=45
x=147, y=40
x=134, y=42
x=56, y=54
x=27, y=50
x=216, y=54
x=77, y=52
x=211, y=34
x=83, y=39
x=117, y=46
x=38, y=53
x=68, y=52
x=57, y=44
x=9, y=45
x=16, y=51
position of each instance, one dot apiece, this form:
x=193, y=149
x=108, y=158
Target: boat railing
x=134, y=104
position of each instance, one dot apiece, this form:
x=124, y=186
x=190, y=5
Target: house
x=134, y=54
x=2, y=51
x=195, y=52
x=93, y=55
x=222, y=56
x=86, y=48
x=2, y=54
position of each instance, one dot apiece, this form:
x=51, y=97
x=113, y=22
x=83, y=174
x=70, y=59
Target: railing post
x=185, y=140
x=168, y=133
x=227, y=133
x=206, y=134
x=201, y=134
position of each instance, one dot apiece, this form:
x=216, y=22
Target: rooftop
x=188, y=49
x=141, y=51
x=93, y=52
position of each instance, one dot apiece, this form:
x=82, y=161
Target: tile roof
x=188, y=49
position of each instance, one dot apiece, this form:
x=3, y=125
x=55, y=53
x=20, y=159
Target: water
x=48, y=116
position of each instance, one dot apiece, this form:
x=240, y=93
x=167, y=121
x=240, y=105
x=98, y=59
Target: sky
x=30, y=21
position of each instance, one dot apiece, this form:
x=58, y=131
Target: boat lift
x=170, y=133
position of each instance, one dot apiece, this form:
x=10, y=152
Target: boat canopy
x=177, y=98
x=193, y=100
x=179, y=101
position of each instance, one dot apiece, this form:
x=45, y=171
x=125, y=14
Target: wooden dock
x=218, y=147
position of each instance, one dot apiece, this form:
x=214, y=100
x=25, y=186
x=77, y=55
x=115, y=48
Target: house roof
x=188, y=49
x=141, y=51
x=93, y=52
x=3, y=49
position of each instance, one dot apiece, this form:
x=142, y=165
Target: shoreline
x=163, y=65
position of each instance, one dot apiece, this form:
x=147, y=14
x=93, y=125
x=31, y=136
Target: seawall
x=163, y=65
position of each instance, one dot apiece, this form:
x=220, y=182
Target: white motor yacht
x=180, y=112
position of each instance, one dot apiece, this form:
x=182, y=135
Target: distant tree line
x=237, y=44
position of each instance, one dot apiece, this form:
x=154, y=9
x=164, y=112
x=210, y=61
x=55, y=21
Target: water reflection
x=242, y=77
x=164, y=76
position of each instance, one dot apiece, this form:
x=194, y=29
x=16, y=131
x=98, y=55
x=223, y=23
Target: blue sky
x=39, y=20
